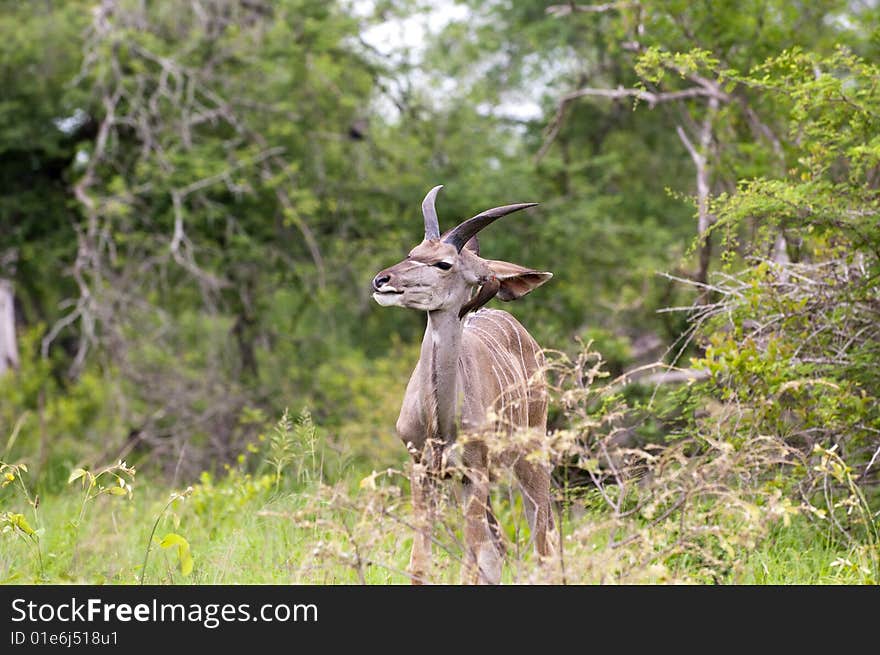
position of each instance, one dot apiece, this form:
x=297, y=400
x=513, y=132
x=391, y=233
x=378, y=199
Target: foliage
x=701, y=510
x=294, y=444
x=197, y=195
x=184, y=557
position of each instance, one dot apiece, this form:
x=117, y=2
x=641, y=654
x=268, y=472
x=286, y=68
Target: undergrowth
x=700, y=509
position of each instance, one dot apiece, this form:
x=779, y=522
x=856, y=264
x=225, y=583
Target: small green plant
x=282, y=450
x=93, y=485
x=307, y=437
x=16, y=523
x=289, y=444
x=184, y=555
x=170, y=539
x=847, y=510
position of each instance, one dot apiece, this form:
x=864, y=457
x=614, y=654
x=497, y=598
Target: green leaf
x=184, y=555
x=75, y=475
x=172, y=539
x=117, y=491
x=20, y=522
x=186, y=563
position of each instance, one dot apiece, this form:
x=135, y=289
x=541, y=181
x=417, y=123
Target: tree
x=634, y=95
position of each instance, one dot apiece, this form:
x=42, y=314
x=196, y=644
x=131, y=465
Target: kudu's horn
x=432, y=225
x=461, y=234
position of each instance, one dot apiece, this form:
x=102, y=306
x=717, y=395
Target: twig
x=565, y=10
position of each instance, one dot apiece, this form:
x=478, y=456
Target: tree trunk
x=8, y=346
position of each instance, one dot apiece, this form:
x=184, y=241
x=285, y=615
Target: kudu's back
x=502, y=376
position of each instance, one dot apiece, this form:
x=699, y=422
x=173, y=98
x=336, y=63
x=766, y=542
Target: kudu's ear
x=515, y=280
x=507, y=281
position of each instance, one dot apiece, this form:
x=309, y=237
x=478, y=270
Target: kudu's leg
x=423, y=486
x=483, y=556
x=534, y=482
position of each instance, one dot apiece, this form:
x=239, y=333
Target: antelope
x=479, y=373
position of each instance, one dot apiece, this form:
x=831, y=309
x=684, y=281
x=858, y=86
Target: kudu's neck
x=439, y=358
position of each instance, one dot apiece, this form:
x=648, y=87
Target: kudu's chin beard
x=388, y=299
x=393, y=299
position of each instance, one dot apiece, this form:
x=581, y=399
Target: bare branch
x=565, y=10
x=652, y=98
x=873, y=459
x=667, y=375
x=699, y=155
x=675, y=377
x=760, y=128
x=688, y=144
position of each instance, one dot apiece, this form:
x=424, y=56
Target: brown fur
x=477, y=395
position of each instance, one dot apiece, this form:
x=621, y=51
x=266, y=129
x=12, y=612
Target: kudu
x=481, y=363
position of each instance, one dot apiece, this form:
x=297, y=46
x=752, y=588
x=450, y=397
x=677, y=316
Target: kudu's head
x=442, y=272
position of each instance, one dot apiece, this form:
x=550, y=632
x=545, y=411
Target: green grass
x=239, y=531
x=803, y=554
x=242, y=530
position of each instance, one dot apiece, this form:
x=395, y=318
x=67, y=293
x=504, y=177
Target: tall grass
x=241, y=530
x=700, y=509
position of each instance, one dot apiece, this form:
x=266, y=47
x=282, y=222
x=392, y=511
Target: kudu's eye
x=443, y=266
